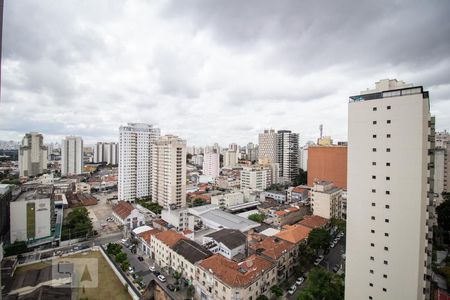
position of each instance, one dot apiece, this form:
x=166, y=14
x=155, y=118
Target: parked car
x=292, y=289
x=134, y=275
x=140, y=258
x=171, y=287
x=156, y=273
x=162, y=278
x=130, y=270
x=299, y=281
x=336, y=268
x=152, y=268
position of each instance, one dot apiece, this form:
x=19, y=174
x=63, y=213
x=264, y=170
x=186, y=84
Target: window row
x=388, y=135
x=376, y=108
x=376, y=122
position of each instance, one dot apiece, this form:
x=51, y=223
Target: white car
x=152, y=268
x=292, y=289
x=299, y=281
x=162, y=278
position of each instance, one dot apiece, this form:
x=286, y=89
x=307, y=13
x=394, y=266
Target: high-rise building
x=255, y=178
x=71, y=156
x=106, y=152
x=211, y=163
x=441, y=165
x=32, y=155
x=327, y=163
x=390, y=135
x=233, y=147
x=268, y=146
x=303, y=156
x=169, y=171
x=230, y=159
x=135, y=143
x=288, y=155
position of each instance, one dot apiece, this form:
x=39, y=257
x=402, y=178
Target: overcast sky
x=212, y=71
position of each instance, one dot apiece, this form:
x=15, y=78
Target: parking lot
x=100, y=212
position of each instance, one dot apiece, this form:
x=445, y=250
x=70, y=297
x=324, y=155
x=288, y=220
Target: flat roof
x=226, y=220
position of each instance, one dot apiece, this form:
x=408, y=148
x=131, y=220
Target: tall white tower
x=72, y=156
x=389, y=205
x=135, y=143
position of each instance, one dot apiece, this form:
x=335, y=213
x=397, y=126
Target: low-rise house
x=161, y=244
x=298, y=194
x=226, y=242
x=178, y=218
x=82, y=187
x=225, y=200
x=184, y=255
x=294, y=234
x=278, y=196
x=326, y=200
x=145, y=241
x=286, y=215
x=127, y=215
x=218, y=278
x=314, y=222
x=281, y=252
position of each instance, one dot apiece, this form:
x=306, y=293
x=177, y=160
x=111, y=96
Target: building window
x=374, y=149
x=374, y=190
x=373, y=203
x=388, y=178
x=385, y=262
x=374, y=177
x=374, y=163
x=388, y=149
x=370, y=298
x=374, y=122
x=388, y=107
x=384, y=290
x=373, y=217
x=388, y=164
x=372, y=245
x=387, y=206
x=370, y=284
x=384, y=276
x=388, y=135
x=374, y=108
x=388, y=121
x=386, y=234
x=388, y=192
x=374, y=136
x=371, y=271
x=386, y=249
x=372, y=258
x=372, y=231
x=386, y=220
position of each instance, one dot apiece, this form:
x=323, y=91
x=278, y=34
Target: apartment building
x=169, y=171
x=106, y=152
x=390, y=134
x=72, y=156
x=225, y=200
x=185, y=254
x=32, y=155
x=135, y=165
x=326, y=200
x=161, y=244
x=211, y=163
x=268, y=146
x=220, y=278
x=255, y=178
x=230, y=159
x=288, y=155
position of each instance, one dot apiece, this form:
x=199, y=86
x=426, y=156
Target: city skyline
x=207, y=72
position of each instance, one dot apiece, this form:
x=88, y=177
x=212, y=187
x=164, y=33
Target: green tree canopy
x=121, y=257
x=324, y=285
x=257, y=217
x=443, y=214
x=319, y=239
x=77, y=224
x=277, y=291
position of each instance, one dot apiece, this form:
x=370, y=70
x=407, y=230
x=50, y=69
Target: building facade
x=135, y=143
x=32, y=155
x=268, y=146
x=255, y=178
x=230, y=159
x=326, y=200
x=327, y=163
x=211, y=163
x=72, y=156
x=288, y=155
x=388, y=251
x=106, y=152
x=169, y=171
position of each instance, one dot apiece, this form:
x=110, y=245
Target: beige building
x=388, y=211
x=184, y=255
x=72, y=156
x=327, y=200
x=268, y=146
x=169, y=171
x=32, y=155
x=230, y=159
x=255, y=178
x=225, y=200
x=219, y=278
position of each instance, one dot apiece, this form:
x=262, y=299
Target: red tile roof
x=298, y=189
x=169, y=237
x=123, y=209
x=294, y=234
x=236, y=274
x=313, y=222
x=272, y=247
x=147, y=235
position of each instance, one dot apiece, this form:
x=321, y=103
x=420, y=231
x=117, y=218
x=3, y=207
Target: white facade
x=30, y=219
x=326, y=200
x=287, y=155
x=228, y=199
x=255, y=178
x=106, y=152
x=230, y=159
x=387, y=208
x=268, y=146
x=135, y=143
x=211, y=164
x=72, y=156
x=179, y=218
x=32, y=155
x=169, y=171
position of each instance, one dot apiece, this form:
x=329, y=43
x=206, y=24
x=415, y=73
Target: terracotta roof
x=236, y=274
x=169, y=237
x=123, y=209
x=280, y=213
x=146, y=235
x=294, y=234
x=313, y=222
x=272, y=247
x=298, y=189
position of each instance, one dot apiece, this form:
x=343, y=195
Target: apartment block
x=390, y=133
x=106, y=152
x=327, y=200
x=288, y=156
x=211, y=163
x=72, y=156
x=32, y=155
x=268, y=146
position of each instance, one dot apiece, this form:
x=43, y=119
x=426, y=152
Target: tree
x=124, y=265
x=16, y=248
x=121, y=257
x=319, y=239
x=277, y=291
x=443, y=214
x=340, y=224
x=198, y=202
x=77, y=224
x=300, y=178
x=113, y=249
x=257, y=217
x=324, y=285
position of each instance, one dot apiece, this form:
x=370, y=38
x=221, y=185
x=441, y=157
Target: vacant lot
x=109, y=286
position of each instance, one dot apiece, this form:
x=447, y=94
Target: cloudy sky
x=212, y=71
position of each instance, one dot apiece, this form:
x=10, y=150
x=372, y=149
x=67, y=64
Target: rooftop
x=313, y=222
x=190, y=250
x=294, y=234
x=169, y=237
x=220, y=219
x=147, y=235
x=272, y=247
x=236, y=274
x=123, y=209
x=229, y=237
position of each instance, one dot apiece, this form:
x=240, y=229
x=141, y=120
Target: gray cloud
x=212, y=71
